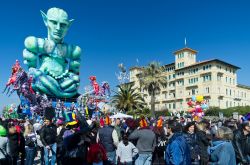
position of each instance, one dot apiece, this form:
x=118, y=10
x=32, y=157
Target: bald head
x=54, y=12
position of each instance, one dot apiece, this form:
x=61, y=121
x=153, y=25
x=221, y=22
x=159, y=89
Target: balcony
x=192, y=86
x=206, y=72
x=237, y=99
x=171, y=88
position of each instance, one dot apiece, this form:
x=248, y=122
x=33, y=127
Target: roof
x=183, y=49
x=209, y=61
x=169, y=64
x=243, y=86
x=135, y=67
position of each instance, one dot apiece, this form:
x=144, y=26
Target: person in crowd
x=190, y=134
x=37, y=129
x=241, y=143
x=16, y=143
x=222, y=151
x=60, y=151
x=4, y=150
x=118, y=128
x=30, y=144
x=177, y=150
x=48, y=138
x=108, y=137
x=96, y=153
x=126, y=151
x=132, y=125
x=161, y=141
x=75, y=139
x=146, y=142
x=203, y=142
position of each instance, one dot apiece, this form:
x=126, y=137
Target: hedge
x=214, y=111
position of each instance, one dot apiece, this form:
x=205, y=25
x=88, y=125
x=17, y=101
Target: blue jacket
x=222, y=153
x=177, y=151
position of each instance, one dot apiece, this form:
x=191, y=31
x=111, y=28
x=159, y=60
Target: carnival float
x=52, y=77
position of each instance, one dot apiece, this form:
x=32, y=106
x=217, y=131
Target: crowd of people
x=72, y=139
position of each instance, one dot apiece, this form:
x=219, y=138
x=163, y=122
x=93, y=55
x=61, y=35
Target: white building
x=215, y=79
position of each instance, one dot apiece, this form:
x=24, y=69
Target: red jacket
x=96, y=153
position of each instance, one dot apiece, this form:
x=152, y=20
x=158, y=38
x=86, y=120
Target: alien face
x=57, y=29
x=57, y=23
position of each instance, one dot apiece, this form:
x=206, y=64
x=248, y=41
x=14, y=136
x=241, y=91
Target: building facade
x=216, y=80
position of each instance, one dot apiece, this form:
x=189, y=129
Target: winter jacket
x=16, y=144
x=106, y=138
x=48, y=134
x=222, y=153
x=159, y=152
x=192, y=140
x=177, y=151
x=240, y=144
x=203, y=143
x=146, y=140
x=96, y=153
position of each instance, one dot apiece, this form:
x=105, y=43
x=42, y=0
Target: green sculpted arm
x=33, y=46
x=74, y=65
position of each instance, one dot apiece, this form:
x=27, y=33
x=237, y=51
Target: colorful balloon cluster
x=197, y=105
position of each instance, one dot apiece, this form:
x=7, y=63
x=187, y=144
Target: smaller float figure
x=21, y=83
x=13, y=78
x=94, y=97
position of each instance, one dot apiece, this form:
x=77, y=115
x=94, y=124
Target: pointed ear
x=44, y=17
x=70, y=22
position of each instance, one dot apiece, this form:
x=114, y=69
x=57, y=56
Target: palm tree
x=151, y=79
x=127, y=99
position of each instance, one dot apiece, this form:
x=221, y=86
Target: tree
x=127, y=99
x=151, y=79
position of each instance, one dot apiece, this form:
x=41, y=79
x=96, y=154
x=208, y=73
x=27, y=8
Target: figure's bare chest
x=59, y=50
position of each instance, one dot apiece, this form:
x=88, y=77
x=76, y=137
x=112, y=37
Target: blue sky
x=120, y=31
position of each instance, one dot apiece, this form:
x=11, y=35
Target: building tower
x=184, y=57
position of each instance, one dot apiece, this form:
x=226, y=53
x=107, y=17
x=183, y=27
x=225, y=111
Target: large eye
x=63, y=25
x=53, y=22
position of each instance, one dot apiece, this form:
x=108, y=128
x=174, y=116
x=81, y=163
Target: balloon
x=198, y=108
x=191, y=110
x=199, y=114
x=196, y=118
x=193, y=98
x=190, y=103
x=199, y=98
x=204, y=106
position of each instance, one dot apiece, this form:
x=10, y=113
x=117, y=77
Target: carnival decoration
x=21, y=83
x=196, y=107
x=246, y=117
x=10, y=112
x=123, y=76
x=160, y=122
x=95, y=98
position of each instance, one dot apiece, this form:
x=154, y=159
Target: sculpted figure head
x=57, y=23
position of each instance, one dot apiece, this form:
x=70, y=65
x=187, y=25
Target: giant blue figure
x=53, y=64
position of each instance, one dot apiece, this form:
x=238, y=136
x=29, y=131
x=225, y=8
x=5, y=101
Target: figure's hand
x=70, y=83
x=30, y=58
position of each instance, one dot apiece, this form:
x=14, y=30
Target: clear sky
x=120, y=31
